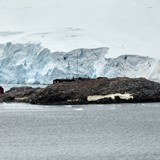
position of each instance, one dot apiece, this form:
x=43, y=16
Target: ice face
x=32, y=64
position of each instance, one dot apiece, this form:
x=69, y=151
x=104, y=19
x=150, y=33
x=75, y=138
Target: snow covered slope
x=32, y=64
x=125, y=26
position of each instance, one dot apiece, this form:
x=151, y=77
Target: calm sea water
x=92, y=132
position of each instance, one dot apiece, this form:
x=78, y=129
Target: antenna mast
x=77, y=65
x=69, y=71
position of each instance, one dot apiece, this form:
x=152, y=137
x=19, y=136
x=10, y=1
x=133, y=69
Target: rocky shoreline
x=88, y=91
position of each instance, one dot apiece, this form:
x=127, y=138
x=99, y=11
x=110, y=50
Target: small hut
x=1, y=90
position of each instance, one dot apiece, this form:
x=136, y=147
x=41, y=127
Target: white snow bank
x=125, y=96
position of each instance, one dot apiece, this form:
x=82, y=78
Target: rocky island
x=87, y=91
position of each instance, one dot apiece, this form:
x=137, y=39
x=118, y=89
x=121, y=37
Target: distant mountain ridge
x=30, y=63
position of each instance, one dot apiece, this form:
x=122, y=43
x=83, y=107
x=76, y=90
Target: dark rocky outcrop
x=18, y=94
x=77, y=92
x=1, y=90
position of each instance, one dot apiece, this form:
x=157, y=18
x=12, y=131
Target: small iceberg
x=68, y=106
x=79, y=109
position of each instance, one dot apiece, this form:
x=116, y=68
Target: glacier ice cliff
x=33, y=64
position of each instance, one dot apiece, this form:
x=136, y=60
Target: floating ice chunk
x=68, y=106
x=79, y=109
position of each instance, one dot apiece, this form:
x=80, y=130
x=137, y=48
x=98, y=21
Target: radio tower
x=69, y=71
x=77, y=65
